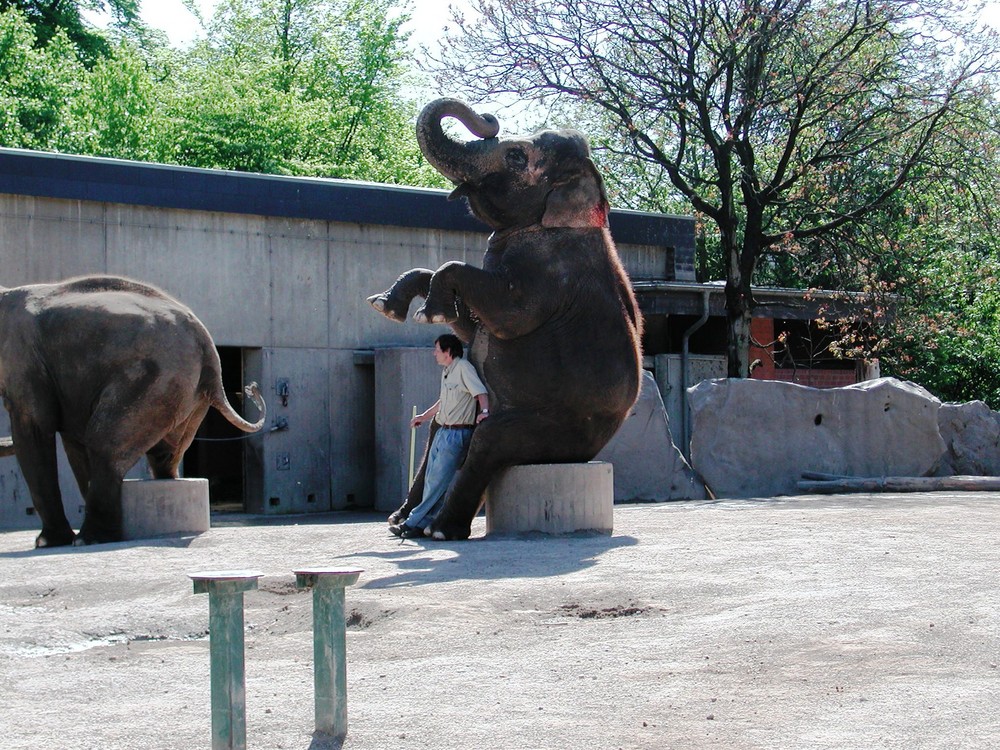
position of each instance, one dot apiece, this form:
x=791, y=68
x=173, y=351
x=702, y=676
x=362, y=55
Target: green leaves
x=307, y=87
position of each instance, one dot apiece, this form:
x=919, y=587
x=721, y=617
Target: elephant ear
x=577, y=200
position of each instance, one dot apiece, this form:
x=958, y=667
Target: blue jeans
x=446, y=455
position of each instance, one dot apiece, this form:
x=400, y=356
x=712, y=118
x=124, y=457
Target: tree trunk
x=739, y=303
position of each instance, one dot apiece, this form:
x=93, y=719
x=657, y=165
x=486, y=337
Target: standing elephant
x=554, y=325
x=119, y=369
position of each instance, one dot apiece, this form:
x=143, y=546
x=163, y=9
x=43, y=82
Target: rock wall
x=648, y=466
x=971, y=434
x=755, y=438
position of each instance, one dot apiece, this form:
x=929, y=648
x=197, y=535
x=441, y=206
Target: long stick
x=413, y=445
x=902, y=484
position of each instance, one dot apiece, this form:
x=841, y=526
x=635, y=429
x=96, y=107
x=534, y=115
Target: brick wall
x=762, y=332
x=816, y=378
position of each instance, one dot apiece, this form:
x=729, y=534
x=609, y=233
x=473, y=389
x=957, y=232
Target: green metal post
x=329, y=644
x=225, y=630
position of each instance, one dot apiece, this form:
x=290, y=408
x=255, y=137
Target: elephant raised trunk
x=458, y=161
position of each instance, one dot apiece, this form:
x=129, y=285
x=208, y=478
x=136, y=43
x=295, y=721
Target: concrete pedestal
x=155, y=507
x=552, y=499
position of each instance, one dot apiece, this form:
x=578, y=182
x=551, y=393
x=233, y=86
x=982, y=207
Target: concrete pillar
x=154, y=507
x=552, y=499
x=225, y=629
x=329, y=644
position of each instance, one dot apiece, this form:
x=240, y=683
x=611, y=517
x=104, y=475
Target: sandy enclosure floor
x=868, y=621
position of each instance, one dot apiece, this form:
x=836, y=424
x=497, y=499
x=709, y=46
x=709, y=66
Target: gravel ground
x=862, y=621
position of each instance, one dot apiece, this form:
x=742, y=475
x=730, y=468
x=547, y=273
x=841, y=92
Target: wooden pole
x=413, y=445
x=329, y=644
x=901, y=484
x=225, y=630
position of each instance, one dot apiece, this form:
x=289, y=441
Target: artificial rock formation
x=971, y=434
x=755, y=438
x=648, y=466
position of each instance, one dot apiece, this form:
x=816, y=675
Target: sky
x=429, y=17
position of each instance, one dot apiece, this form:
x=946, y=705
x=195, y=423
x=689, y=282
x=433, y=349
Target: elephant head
x=547, y=179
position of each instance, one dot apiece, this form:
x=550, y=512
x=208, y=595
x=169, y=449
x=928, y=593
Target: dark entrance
x=218, y=450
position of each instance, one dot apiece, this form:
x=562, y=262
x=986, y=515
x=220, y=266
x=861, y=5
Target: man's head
x=447, y=347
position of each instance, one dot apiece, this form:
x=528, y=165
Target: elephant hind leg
x=165, y=457
x=35, y=448
x=507, y=439
x=79, y=463
x=103, y=519
x=416, y=491
x=394, y=303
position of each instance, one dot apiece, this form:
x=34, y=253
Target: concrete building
x=278, y=269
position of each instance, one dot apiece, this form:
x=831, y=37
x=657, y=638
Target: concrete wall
x=289, y=290
x=292, y=290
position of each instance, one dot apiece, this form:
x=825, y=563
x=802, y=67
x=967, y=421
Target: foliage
x=305, y=87
x=48, y=19
x=36, y=84
x=296, y=87
x=763, y=114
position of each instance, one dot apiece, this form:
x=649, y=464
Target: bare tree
x=762, y=113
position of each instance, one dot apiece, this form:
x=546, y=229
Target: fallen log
x=901, y=484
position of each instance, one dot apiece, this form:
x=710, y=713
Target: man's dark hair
x=449, y=342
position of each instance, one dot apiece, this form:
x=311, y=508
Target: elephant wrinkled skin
x=119, y=369
x=553, y=323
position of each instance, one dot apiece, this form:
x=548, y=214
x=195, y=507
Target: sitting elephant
x=119, y=369
x=554, y=325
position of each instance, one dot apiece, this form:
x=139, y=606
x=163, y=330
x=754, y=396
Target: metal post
x=329, y=644
x=225, y=630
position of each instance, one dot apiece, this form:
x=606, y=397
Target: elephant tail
x=6, y=446
x=220, y=402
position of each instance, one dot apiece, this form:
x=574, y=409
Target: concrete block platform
x=552, y=499
x=156, y=507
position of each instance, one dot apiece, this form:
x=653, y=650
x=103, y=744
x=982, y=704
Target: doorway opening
x=218, y=452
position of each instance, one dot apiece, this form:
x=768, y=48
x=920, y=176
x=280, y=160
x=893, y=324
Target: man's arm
x=484, y=407
x=429, y=414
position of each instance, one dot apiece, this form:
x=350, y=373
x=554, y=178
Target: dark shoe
x=404, y=531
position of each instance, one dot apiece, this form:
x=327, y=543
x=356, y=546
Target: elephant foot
x=455, y=532
x=99, y=536
x=423, y=315
x=55, y=539
x=390, y=308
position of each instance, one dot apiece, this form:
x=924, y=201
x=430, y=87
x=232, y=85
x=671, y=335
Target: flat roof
x=53, y=175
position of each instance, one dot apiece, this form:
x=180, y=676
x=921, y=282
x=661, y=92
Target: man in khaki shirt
x=455, y=413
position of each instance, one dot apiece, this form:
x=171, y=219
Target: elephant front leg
x=506, y=307
x=394, y=303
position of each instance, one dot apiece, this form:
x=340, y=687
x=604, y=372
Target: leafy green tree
x=36, y=84
x=308, y=87
x=115, y=111
x=48, y=18
x=762, y=113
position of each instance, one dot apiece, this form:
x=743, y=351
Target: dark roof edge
x=100, y=179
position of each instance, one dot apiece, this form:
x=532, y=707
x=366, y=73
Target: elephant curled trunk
x=458, y=161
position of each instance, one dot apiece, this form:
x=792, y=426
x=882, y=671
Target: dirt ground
x=868, y=621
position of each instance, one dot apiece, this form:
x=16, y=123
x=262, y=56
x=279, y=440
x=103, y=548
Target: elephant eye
x=516, y=160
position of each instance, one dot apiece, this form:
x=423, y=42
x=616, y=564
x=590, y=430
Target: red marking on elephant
x=598, y=216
